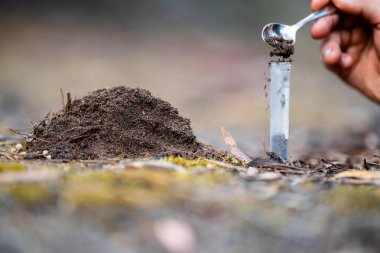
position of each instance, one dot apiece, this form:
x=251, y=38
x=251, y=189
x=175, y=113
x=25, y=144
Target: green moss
x=29, y=194
x=189, y=163
x=11, y=166
x=200, y=162
x=81, y=186
x=139, y=187
x=349, y=199
x=132, y=187
x=201, y=172
x=233, y=160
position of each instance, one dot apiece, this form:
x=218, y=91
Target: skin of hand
x=351, y=43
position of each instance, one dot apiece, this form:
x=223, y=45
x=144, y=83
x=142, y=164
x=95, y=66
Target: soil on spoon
x=116, y=122
x=282, y=49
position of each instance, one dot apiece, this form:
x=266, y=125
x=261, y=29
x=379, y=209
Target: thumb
x=368, y=9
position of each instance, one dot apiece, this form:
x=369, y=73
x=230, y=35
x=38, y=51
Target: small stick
x=290, y=171
x=279, y=167
x=68, y=104
x=4, y=143
x=16, y=132
x=62, y=99
x=34, y=137
x=29, y=136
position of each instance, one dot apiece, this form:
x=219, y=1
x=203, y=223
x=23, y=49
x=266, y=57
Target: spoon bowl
x=288, y=33
x=279, y=31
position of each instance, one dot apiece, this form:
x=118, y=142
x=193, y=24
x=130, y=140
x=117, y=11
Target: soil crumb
x=282, y=49
x=117, y=122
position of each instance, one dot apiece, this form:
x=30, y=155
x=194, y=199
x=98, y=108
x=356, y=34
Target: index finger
x=319, y=4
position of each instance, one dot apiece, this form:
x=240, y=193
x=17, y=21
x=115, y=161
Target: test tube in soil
x=279, y=107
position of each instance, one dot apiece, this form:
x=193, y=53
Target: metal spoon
x=287, y=32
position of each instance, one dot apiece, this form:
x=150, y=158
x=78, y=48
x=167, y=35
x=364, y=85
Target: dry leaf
x=231, y=143
x=359, y=174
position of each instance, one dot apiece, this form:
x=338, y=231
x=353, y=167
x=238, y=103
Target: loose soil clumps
x=127, y=122
x=282, y=49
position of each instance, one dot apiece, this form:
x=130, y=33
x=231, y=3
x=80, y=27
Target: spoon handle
x=316, y=15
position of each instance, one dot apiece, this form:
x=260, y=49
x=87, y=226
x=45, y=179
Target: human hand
x=351, y=43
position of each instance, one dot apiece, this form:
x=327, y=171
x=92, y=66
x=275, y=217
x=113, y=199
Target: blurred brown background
x=206, y=57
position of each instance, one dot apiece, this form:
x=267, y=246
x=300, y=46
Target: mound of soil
x=116, y=122
x=282, y=49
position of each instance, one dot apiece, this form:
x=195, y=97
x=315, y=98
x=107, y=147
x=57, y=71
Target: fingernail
x=328, y=52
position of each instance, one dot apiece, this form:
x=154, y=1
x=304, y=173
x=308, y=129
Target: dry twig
x=68, y=103
x=29, y=136
x=62, y=99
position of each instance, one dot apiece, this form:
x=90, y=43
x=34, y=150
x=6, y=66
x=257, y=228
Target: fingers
x=332, y=54
x=353, y=7
x=324, y=26
x=369, y=9
x=330, y=49
x=319, y=4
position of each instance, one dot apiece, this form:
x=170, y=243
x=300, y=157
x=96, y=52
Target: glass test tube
x=279, y=107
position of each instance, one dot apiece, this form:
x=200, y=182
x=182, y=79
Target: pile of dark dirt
x=117, y=122
x=282, y=49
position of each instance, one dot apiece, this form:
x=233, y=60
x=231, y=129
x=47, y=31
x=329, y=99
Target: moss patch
x=80, y=185
x=348, y=199
x=9, y=166
x=135, y=187
x=29, y=194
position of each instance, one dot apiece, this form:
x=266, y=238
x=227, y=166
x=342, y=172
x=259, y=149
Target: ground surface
x=178, y=205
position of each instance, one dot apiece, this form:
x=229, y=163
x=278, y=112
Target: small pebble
x=45, y=152
x=13, y=150
x=48, y=157
x=18, y=147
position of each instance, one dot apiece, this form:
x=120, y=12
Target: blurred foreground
x=179, y=206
